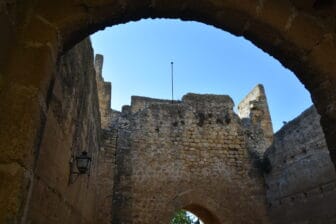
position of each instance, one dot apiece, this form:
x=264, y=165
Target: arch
x=205, y=215
x=35, y=33
x=278, y=27
x=198, y=203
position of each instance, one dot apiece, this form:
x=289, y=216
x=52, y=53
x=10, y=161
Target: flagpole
x=172, y=81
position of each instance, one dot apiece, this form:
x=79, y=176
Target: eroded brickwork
x=301, y=185
x=254, y=113
x=104, y=93
x=106, y=164
x=183, y=155
x=35, y=33
x=72, y=125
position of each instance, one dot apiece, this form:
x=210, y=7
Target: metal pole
x=172, y=80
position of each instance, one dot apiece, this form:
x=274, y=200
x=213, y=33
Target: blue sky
x=137, y=58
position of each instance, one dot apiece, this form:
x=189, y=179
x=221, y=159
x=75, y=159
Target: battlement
x=139, y=103
x=252, y=110
x=213, y=101
x=208, y=100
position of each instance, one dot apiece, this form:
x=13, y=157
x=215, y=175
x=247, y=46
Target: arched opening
x=194, y=214
x=156, y=158
x=206, y=60
x=288, y=155
x=277, y=28
x=186, y=217
x=44, y=30
x=205, y=215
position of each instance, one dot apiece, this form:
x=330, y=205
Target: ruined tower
x=255, y=115
x=104, y=92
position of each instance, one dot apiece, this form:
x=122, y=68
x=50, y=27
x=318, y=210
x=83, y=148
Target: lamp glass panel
x=82, y=164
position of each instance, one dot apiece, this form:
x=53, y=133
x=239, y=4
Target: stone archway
x=199, y=204
x=35, y=33
x=202, y=213
x=278, y=27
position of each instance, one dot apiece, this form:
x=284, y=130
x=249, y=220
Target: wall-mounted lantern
x=83, y=164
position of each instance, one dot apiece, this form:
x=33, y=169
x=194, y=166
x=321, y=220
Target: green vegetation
x=181, y=217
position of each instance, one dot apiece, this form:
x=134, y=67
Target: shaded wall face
x=106, y=165
x=72, y=126
x=301, y=187
x=174, y=155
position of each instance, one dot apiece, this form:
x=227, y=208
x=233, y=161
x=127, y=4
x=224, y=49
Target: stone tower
x=104, y=92
x=254, y=112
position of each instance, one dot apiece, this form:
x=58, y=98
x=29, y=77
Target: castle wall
x=190, y=154
x=72, y=126
x=33, y=33
x=301, y=186
x=254, y=112
x=157, y=157
x=104, y=93
x=106, y=167
x=139, y=103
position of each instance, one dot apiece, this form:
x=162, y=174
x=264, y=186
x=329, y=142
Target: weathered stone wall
x=72, y=126
x=190, y=154
x=104, y=93
x=7, y=25
x=106, y=164
x=255, y=115
x=253, y=110
x=33, y=33
x=301, y=186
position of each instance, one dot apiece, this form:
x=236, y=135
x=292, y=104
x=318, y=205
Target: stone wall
x=187, y=155
x=104, y=93
x=106, y=165
x=256, y=118
x=72, y=126
x=33, y=33
x=301, y=186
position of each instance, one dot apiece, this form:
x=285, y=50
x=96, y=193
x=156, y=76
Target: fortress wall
x=104, y=93
x=106, y=166
x=139, y=102
x=301, y=187
x=174, y=156
x=72, y=126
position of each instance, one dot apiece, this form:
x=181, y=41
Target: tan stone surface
x=28, y=55
x=301, y=184
x=190, y=154
x=104, y=93
x=72, y=125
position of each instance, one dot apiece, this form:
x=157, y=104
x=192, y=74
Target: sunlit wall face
x=138, y=58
